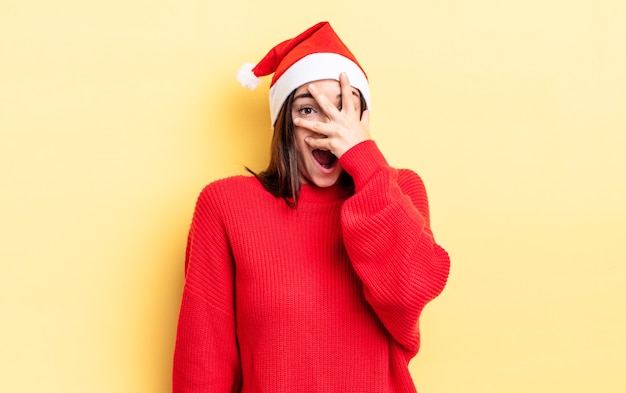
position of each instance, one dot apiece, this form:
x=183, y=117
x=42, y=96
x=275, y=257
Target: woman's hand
x=346, y=126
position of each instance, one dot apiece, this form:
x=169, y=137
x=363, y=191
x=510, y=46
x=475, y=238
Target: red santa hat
x=316, y=54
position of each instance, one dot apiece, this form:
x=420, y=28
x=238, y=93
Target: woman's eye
x=306, y=111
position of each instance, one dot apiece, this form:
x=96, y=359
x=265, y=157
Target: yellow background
x=114, y=114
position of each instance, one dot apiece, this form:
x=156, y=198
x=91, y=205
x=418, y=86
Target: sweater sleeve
x=206, y=357
x=387, y=234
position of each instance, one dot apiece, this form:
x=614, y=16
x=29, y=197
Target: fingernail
x=312, y=88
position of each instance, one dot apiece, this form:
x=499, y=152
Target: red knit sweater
x=322, y=298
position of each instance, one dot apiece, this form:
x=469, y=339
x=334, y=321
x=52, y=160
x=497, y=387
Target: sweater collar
x=313, y=194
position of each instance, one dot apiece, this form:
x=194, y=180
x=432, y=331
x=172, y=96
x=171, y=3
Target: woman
x=311, y=275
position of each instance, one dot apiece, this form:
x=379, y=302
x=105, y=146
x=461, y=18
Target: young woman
x=311, y=275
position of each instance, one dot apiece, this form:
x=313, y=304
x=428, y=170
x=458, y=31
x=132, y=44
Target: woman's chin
x=322, y=180
x=324, y=183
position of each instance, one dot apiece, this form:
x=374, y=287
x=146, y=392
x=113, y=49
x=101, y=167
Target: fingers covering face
x=350, y=99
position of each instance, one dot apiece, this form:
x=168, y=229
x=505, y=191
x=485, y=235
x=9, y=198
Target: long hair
x=282, y=175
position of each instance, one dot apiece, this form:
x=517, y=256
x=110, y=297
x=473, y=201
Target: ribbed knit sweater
x=325, y=297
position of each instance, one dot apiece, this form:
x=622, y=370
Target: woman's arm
x=206, y=358
x=388, y=238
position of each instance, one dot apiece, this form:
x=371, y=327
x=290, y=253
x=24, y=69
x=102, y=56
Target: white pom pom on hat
x=246, y=76
x=317, y=53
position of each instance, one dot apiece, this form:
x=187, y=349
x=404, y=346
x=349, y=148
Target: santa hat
x=317, y=53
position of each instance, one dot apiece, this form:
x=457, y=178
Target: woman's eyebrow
x=303, y=95
x=308, y=95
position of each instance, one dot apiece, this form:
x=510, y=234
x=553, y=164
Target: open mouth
x=325, y=158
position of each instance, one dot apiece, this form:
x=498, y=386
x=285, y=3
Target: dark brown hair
x=282, y=175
